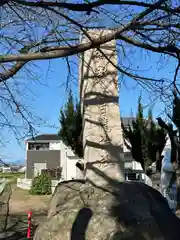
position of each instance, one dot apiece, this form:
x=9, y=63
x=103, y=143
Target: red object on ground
x=29, y=225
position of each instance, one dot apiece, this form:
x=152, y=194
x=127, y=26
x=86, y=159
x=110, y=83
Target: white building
x=47, y=151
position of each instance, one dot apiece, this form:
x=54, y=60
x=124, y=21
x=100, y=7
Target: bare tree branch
x=84, y=7
x=63, y=51
x=50, y=29
x=11, y=72
x=58, y=52
x=3, y=2
x=46, y=54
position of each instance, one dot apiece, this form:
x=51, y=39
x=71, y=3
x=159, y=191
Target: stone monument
x=79, y=210
x=102, y=132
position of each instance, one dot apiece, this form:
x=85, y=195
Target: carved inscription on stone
x=116, y=83
x=98, y=55
x=103, y=117
x=100, y=71
x=102, y=138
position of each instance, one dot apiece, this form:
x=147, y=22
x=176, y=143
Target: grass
x=12, y=177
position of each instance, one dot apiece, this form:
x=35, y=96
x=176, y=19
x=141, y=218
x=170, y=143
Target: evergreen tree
x=146, y=139
x=71, y=125
x=134, y=134
x=156, y=140
x=142, y=128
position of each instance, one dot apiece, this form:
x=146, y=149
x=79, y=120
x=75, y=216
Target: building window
x=132, y=176
x=38, y=146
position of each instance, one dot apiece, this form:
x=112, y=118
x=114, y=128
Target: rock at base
x=7, y=235
x=80, y=211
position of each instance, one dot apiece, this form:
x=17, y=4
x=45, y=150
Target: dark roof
x=45, y=137
x=127, y=120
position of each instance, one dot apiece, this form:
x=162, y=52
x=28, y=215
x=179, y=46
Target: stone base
x=7, y=235
x=80, y=211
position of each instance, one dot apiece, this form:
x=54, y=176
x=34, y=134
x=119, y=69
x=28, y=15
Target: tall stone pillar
x=102, y=132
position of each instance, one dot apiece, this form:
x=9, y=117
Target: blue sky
x=46, y=99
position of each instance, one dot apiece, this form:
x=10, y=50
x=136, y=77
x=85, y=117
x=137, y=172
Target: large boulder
x=80, y=211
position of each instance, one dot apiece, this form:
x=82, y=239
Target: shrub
x=41, y=185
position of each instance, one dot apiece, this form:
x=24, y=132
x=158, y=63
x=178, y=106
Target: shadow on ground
x=17, y=225
x=14, y=226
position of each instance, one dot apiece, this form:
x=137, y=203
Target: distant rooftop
x=127, y=120
x=45, y=137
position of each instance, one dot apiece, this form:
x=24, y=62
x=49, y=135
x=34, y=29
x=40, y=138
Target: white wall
x=70, y=153
x=137, y=166
x=6, y=169
x=68, y=164
x=133, y=165
x=38, y=167
x=26, y=184
x=125, y=149
x=54, y=146
x=63, y=161
x=26, y=160
x=26, y=146
x=68, y=160
x=71, y=168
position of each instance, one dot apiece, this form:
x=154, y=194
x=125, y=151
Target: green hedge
x=11, y=175
x=41, y=185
